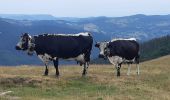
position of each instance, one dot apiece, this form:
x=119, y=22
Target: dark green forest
x=155, y=48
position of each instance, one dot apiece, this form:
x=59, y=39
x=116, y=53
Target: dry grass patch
x=101, y=83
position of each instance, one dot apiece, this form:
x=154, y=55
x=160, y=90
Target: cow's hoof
x=57, y=76
x=83, y=75
x=46, y=72
x=118, y=75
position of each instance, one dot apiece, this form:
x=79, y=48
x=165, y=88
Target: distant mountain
x=102, y=28
x=141, y=27
x=28, y=17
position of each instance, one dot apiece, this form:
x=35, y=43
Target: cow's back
x=63, y=46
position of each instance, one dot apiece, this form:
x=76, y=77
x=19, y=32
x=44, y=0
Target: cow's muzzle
x=17, y=48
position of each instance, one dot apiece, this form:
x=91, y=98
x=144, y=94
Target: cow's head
x=25, y=43
x=104, y=49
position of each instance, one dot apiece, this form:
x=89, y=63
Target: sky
x=86, y=8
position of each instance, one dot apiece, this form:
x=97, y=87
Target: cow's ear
x=97, y=45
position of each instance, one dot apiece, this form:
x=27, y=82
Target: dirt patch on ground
x=19, y=81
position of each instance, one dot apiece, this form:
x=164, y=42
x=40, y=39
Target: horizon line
x=20, y=14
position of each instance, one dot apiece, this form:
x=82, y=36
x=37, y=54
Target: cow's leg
x=115, y=70
x=137, y=65
x=129, y=67
x=118, y=66
x=118, y=70
x=85, y=69
x=45, y=61
x=137, y=69
x=46, y=70
x=56, y=67
x=87, y=63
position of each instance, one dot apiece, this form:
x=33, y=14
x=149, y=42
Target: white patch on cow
x=29, y=36
x=55, y=58
x=132, y=39
x=83, y=34
x=45, y=58
x=115, y=60
x=126, y=61
x=78, y=58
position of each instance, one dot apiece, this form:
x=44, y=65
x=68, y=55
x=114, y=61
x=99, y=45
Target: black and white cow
x=52, y=47
x=120, y=51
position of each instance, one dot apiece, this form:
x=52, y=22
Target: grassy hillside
x=27, y=83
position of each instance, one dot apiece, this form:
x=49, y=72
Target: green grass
x=27, y=83
x=80, y=87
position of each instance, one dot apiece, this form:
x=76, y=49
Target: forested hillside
x=155, y=48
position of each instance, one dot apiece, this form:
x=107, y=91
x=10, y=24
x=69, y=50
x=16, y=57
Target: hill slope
x=28, y=17
x=26, y=82
x=159, y=61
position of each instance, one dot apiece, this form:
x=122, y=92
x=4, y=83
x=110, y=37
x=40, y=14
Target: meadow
x=101, y=83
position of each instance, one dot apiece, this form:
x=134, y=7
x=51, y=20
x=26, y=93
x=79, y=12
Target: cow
x=120, y=51
x=52, y=47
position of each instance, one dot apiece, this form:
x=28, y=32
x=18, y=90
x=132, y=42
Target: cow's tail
x=87, y=55
x=88, y=52
x=138, y=55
